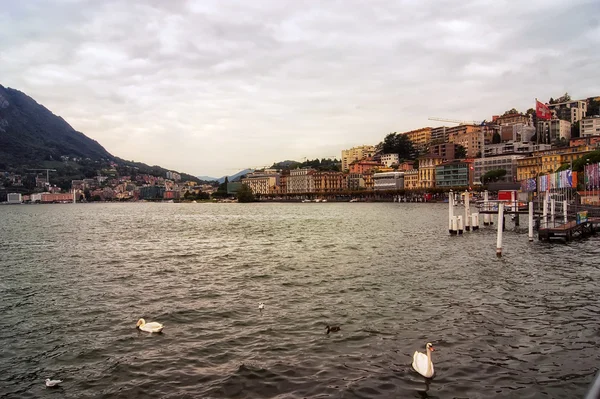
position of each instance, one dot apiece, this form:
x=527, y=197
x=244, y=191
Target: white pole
x=74, y=197
x=475, y=221
x=530, y=221
x=499, y=236
x=460, y=224
x=545, y=212
x=450, y=211
x=467, y=212
x=454, y=225
x=486, y=217
x=565, y=210
x=512, y=201
x=552, y=209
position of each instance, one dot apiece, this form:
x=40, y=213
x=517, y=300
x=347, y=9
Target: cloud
x=208, y=86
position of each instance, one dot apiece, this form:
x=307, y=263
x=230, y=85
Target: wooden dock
x=568, y=231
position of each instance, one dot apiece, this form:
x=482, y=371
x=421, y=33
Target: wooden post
x=500, y=229
x=530, y=221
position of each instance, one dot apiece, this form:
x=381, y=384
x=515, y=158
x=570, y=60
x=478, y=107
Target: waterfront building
x=411, y=179
x=541, y=162
x=14, y=198
x=389, y=159
x=570, y=111
x=427, y=165
x=264, y=182
x=168, y=195
x=356, y=154
x=590, y=126
x=508, y=162
x=329, y=181
x=420, y=138
x=550, y=131
x=355, y=181
x=456, y=173
x=301, y=181
x=148, y=192
x=50, y=197
x=388, y=181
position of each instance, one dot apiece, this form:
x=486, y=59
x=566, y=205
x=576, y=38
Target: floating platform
x=569, y=231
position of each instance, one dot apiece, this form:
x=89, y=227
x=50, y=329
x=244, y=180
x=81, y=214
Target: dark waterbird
x=332, y=329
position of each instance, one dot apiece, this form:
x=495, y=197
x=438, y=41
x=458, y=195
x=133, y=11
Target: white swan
x=152, y=327
x=52, y=383
x=422, y=363
x=261, y=306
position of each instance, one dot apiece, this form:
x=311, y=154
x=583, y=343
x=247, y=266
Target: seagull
x=52, y=383
x=261, y=306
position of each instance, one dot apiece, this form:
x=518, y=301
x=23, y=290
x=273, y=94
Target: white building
x=173, y=176
x=571, y=111
x=388, y=181
x=14, y=198
x=590, y=126
x=301, y=181
x=514, y=147
x=548, y=132
x=35, y=198
x=262, y=182
x=506, y=162
x=390, y=159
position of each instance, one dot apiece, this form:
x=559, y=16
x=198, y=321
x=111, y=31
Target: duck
x=422, y=362
x=261, y=306
x=153, y=327
x=52, y=383
x=332, y=329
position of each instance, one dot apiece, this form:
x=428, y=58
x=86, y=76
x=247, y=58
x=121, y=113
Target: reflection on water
x=74, y=279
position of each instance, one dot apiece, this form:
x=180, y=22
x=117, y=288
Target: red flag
x=542, y=111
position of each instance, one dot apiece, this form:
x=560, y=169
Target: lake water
x=74, y=279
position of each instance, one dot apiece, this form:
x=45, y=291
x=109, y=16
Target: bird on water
x=422, y=362
x=52, y=383
x=261, y=307
x=152, y=327
x=332, y=329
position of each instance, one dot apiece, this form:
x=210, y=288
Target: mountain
x=31, y=136
x=207, y=178
x=235, y=177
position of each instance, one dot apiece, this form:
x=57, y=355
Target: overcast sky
x=210, y=87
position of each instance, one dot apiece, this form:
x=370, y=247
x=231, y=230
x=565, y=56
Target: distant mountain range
x=207, y=178
x=31, y=136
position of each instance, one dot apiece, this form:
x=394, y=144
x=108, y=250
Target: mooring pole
x=486, y=217
x=450, y=211
x=467, y=212
x=460, y=224
x=530, y=221
x=500, y=229
x=565, y=210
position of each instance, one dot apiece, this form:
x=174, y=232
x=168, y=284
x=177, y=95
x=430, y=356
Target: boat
x=354, y=200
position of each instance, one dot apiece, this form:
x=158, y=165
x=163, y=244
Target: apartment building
x=427, y=165
x=356, y=154
x=389, y=159
x=301, y=181
x=420, y=138
x=549, y=161
x=470, y=140
x=570, y=111
x=329, y=182
x=439, y=135
x=590, y=126
x=446, y=150
x=507, y=162
x=549, y=131
x=456, y=173
x=262, y=182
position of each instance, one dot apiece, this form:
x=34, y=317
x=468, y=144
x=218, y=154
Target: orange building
x=364, y=166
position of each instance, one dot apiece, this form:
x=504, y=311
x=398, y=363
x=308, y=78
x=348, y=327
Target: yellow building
x=356, y=154
x=427, y=166
x=262, y=183
x=329, y=182
x=547, y=161
x=411, y=179
x=420, y=138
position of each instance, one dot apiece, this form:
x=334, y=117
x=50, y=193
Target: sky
x=210, y=87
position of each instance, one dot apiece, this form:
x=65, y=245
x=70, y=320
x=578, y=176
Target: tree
x=496, y=138
x=395, y=143
x=493, y=176
x=530, y=111
x=511, y=112
x=551, y=101
x=245, y=194
x=416, y=164
x=593, y=106
x=460, y=152
x=590, y=158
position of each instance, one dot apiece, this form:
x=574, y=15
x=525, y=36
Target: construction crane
x=47, y=173
x=457, y=121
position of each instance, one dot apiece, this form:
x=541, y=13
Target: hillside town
x=512, y=148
